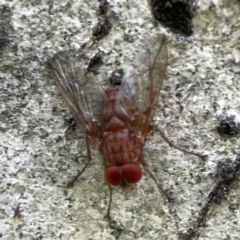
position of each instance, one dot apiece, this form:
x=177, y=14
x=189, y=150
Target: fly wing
x=141, y=86
x=82, y=95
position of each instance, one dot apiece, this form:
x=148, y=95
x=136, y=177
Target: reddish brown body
x=116, y=119
x=119, y=145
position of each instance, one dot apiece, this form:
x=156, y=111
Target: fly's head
x=124, y=176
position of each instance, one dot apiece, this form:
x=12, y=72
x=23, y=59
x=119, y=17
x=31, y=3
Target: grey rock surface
x=36, y=161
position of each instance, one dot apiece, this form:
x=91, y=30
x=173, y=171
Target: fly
x=117, y=119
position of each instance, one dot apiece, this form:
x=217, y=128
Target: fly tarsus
x=171, y=144
x=107, y=216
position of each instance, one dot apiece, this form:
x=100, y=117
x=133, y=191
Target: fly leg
x=171, y=144
x=144, y=164
x=107, y=216
x=89, y=157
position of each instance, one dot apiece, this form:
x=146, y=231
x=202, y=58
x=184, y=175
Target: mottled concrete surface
x=36, y=161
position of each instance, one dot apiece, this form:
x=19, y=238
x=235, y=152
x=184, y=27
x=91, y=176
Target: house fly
x=116, y=119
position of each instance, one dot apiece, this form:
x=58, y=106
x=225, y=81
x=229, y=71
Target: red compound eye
x=113, y=175
x=131, y=172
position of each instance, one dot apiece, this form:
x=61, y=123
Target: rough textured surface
x=36, y=161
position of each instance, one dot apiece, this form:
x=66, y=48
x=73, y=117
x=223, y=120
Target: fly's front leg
x=89, y=157
x=144, y=164
x=107, y=216
x=171, y=144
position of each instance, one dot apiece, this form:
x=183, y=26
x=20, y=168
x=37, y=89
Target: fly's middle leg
x=89, y=157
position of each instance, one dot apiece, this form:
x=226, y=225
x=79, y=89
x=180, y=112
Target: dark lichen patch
x=5, y=25
x=175, y=14
x=227, y=172
x=102, y=28
x=103, y=7
x=95, y=62
x=228, y=126
x=103, y=25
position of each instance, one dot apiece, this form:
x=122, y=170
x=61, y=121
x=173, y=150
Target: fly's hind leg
x=107, y=216
x=144, y=164
x=171, y=144
x=89, y=157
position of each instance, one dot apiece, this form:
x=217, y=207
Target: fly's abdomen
x=119, y=148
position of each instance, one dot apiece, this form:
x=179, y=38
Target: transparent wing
x=82, y=95
x=141, y=86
